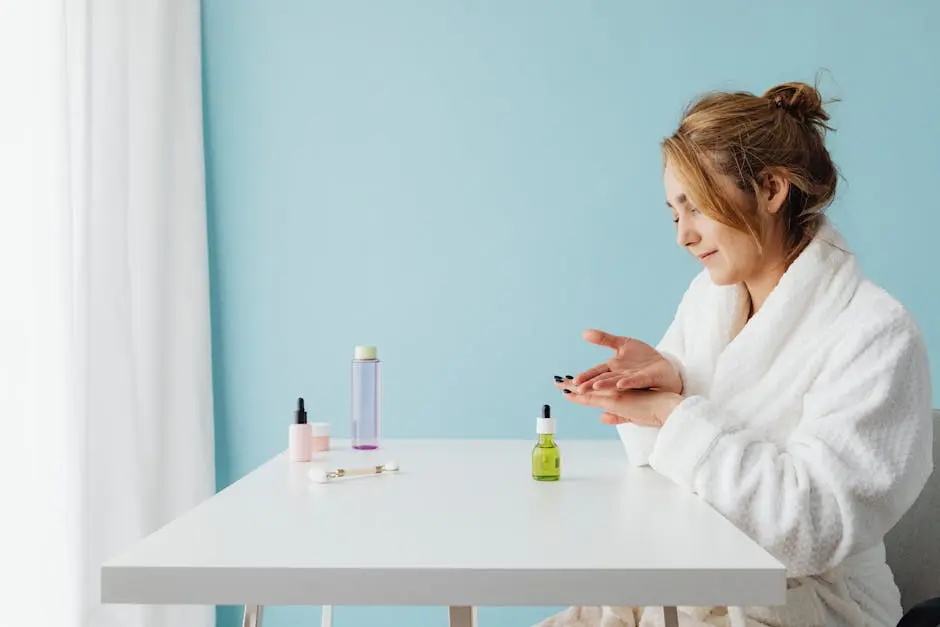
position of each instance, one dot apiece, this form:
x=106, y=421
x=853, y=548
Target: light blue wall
x=468, y=185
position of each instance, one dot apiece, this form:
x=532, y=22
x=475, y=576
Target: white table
x=463, y=524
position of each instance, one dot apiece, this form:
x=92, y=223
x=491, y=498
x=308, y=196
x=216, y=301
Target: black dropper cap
x=546, y=411
x=300, y=414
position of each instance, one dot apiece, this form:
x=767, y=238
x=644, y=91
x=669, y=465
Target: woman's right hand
x=634, y=366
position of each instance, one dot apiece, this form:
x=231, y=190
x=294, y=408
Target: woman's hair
x=745, y=136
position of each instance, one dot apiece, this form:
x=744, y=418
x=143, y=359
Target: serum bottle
x=299, y=435
x=546, y=458
x=366, y=398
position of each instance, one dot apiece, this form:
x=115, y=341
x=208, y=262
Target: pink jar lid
x=319, y=429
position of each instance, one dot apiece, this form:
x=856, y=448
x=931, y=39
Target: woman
x=790, y=392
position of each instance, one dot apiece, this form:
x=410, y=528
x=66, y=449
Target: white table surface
x=462, y=523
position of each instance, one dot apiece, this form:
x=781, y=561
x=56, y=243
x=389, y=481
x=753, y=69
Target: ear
x=775, y=187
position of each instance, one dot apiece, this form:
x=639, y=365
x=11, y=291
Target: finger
x=575, y=398
x=589, y=374
x=588, y=385
x=600, y=400
x=610, y=418
x=636, y=381
x=606, y=381
x=568, y=387
x=601, y=338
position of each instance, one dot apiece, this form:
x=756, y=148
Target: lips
x=707, y=255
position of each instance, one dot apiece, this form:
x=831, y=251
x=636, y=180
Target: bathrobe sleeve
x=637, y=439
x=855, y=463
x=673, y=345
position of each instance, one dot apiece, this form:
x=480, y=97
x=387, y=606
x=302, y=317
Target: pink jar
x=319, y=436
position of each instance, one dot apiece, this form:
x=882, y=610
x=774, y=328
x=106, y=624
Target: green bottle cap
x=366, y=352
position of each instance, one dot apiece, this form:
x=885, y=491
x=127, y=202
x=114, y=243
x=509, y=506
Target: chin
x=721, y=276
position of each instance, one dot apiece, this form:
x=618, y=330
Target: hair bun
x=799, y=100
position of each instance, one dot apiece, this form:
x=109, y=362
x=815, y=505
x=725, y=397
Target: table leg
x=671, y=616
x=326, y=616
x=252, y=616
x=462, y=616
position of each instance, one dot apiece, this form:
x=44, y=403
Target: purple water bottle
x=366, y=398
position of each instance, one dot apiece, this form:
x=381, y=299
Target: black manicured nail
x=569, y=377
x=558, y=379
x=567, y=391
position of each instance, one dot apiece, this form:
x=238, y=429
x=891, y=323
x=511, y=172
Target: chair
x=913, y=551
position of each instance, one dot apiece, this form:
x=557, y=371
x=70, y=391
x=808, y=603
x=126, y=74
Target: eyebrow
x=681, y=199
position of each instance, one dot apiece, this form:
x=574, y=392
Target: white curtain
x=105, y=381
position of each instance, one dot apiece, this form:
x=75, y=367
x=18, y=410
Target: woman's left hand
x=645, y=407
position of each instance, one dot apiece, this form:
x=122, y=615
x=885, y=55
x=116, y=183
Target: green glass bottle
x=546, y=458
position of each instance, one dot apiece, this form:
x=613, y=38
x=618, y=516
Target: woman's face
x=730, y=256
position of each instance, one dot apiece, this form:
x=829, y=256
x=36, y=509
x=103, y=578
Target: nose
x=685, y=234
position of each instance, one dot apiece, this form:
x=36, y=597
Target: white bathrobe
x=810, y=430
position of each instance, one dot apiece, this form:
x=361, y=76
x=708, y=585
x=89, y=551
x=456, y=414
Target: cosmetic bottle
x=546, y=458
x=319, y=436
x=366, y=410
x=299, y=435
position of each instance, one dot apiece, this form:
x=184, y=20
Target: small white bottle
x=299, y=435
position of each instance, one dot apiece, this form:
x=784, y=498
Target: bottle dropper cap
x=300, y=414
x=545, y=424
